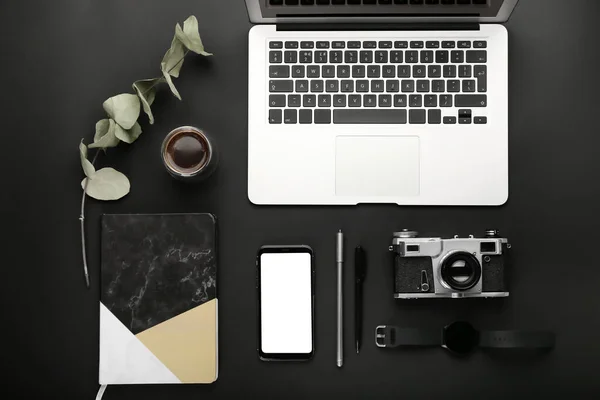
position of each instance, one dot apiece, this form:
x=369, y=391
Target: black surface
x=62, y=59
x=155, y=267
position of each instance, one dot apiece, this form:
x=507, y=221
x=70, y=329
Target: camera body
x=449, y=268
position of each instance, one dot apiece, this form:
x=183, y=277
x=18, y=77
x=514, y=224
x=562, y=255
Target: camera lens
x=461, y=270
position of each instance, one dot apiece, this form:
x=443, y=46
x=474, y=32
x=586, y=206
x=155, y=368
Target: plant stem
x=82, y=222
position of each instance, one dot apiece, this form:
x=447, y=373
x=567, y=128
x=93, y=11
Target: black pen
x=360, y=272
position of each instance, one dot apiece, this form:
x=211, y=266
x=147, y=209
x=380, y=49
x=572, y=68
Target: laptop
x=378, y=101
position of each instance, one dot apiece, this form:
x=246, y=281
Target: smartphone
x=286, y=288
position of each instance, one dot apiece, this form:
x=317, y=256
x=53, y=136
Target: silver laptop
x=378, y=101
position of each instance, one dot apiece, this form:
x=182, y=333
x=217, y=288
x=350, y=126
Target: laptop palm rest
x=377, y=166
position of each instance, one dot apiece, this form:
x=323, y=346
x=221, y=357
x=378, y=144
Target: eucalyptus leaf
x=172, y=85
x=146, y=91
x=105, y=135
x=124, y=109
x=173, y=59
x=189, y=36
x=128, y=136
x=106, y=184
x=88, y=168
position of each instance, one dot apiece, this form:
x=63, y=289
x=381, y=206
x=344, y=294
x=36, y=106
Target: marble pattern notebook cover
x=158, y=299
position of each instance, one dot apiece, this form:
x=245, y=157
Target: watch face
x=460, y=338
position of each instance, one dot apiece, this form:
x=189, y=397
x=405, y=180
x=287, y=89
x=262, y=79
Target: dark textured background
x=61, y=59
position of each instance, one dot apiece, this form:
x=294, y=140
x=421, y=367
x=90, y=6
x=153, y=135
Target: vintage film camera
x=455, y=268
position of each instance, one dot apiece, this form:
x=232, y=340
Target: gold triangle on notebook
x=187, y=343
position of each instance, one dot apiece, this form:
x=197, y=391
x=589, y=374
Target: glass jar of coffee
x=189, y=154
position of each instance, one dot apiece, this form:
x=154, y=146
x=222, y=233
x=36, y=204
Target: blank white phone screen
x=285, y=303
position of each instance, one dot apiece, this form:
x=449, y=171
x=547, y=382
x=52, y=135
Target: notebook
x=158, y=299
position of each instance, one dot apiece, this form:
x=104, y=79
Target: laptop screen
x=332, y=11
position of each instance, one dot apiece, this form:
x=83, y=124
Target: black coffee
x=187, y=152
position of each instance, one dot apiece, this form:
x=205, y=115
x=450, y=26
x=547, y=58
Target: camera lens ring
x=471, y=263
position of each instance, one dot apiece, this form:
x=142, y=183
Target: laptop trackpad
x=377, y=166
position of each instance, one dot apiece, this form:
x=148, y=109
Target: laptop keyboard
x=377, y=82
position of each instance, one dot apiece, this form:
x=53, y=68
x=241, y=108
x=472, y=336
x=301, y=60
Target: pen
x=360, y=269
x=340, y=263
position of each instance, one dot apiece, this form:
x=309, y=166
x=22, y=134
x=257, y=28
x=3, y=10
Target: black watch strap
x=516, y=340
x=391, y=336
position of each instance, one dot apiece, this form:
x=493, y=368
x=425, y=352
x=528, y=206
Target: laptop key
x=313, y=72
x=438, y=86
x=332, y=86
x=417, y=44
x=328, y=71
x=279, y=71
x=343, y=71
x=449, y=71
x=338, y=45
x=362, y=116
x=294, y=100
x=275, y=57
x=396, y=57
x=445, y=100
x=320, y=57
x=411, y=57
x=305, y=116
x=301, y=86
x=427, y=56
x=415, y=100
x=347, y=86
x=408, y=86
x=336, y=57
x=290, y=116
x=470, y=100
x=377, y=86
x=366, y=56
x=354, y=45
x=324, y=100
x=351, y=57
x=385, y=100
x=480, y=120
x=306, y=57
x=403, y=71
x=291, y=45
x=457, y=56
x=298, y=71
x=434, y=116
x=307, y=45
x=453, y=86
x=322, y=116
x=441, y=56
x=381, y=57
x=388, y=71
x=373, y=71
x=481, y=75
x=370, y=100
x=480, y=44
x=423, y=86
x=369, y=45
x=276, y=45
x=354, y=100
x=358, y=71
x=448, y=45
x=309, y=100
x=401, y=44
x=464, y=44
x=275, y=116
x=339, y=100
x=322, y=45
x=281, y=86
x=417, y=116
x=399, y=100
x=434, y=71
x=290, y=57
x=468, y=85
x=362, y=86
x=419, y=71
x=430, y=100
x=385, y=44
x=464, y=71
x=392, y=86
x=316, y=86
x=449, y=120
x=476, y=56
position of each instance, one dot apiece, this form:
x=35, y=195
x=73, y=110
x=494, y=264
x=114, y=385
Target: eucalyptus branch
x=82, y=222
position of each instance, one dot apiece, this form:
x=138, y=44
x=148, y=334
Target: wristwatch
x=461, y=338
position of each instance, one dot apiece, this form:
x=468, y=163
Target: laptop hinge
x=452, y=26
